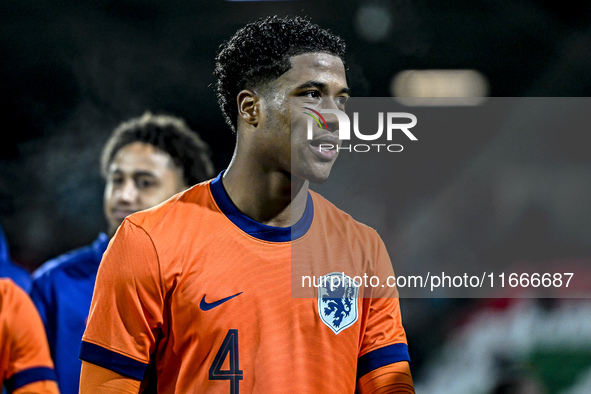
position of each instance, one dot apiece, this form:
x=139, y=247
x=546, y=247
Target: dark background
x=71, y=70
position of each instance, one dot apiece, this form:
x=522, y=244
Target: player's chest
x=259, y=291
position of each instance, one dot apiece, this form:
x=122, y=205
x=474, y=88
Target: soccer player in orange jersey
x=25, y=363
x=196, y=295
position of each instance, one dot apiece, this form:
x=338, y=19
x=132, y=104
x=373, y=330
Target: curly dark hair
x=261, y=52
x=169, y=134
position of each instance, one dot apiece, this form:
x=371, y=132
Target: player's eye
x=341, y=101
x=144, y=183
x=116, y=180
x=315, y=94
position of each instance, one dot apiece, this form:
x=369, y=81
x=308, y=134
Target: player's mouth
x=325, y=146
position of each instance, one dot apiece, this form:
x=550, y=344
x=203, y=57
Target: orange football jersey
x=193, y=296
x=24, y=353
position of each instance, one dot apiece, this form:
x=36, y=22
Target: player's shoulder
x=175, y=211
x=10, y=293
x=5, y=285
x=329, y=213
x=11, y=297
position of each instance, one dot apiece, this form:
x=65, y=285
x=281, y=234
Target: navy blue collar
x=254, y=228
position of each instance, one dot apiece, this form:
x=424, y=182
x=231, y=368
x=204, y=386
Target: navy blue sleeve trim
x=381, y=357
x=116, y=362
x=27, y=376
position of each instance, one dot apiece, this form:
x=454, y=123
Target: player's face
x=139, y=177
x=318, y=80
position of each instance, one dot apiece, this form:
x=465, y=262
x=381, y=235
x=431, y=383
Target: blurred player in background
x=25, y=363
x=8, y=269
x=145, y=161
x=195, y=295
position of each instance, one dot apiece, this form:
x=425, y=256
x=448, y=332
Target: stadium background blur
x=71, y=71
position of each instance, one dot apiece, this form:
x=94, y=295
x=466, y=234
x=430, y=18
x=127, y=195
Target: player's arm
x=30, y=368
x=392, y=378
x=41, y=295
x=42, y=387
x=125, y=314
x=38, y=294
x=383, y=366
x=95, y=379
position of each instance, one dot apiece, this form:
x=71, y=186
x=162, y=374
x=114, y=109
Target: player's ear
x=248, y=107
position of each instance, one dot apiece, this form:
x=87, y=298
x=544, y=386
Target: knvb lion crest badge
x=337, y=301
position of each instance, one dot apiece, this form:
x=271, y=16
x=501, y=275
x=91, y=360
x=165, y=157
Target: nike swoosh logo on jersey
x=205, y=306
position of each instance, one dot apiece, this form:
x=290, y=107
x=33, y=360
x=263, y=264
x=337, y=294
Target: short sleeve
x=25, y=353
x=126, y=310
x=384, y=340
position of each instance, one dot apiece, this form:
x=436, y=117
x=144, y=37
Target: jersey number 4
x=233, y=374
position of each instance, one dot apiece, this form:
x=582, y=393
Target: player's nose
x=128, y=192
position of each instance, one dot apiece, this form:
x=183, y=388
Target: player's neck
x=271, y=198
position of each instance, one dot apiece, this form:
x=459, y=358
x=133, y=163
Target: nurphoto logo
x=394, y=125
